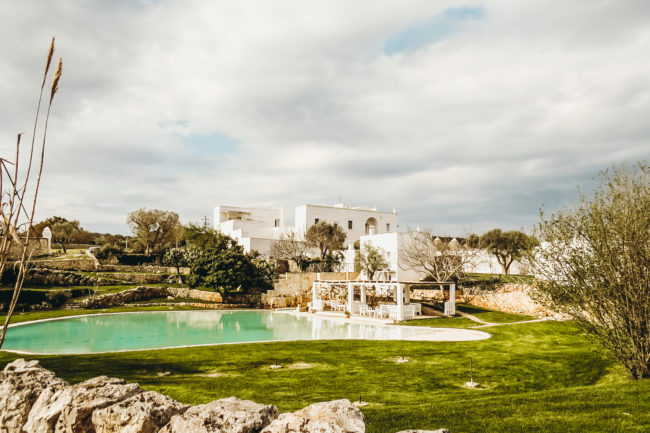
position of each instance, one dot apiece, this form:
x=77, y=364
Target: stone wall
x=510, y=298
x=294, y=289
x=292, y=283
x=81, y=264
x=118, y=299
x=183, y=292
x=143, y=293
x=60, y=278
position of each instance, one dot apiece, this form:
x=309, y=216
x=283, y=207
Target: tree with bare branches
x=19, y=193
x=594, y=265
x=290, y=246
x=440, y=260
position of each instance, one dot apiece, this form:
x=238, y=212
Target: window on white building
x=349, y=225
x=387, y=227
x=277, y=222
x=316, y=220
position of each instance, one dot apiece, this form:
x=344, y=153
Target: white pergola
x=400, y=290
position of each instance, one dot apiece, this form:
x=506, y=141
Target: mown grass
x=536, y=377
x=500, y=278
x=492, y=316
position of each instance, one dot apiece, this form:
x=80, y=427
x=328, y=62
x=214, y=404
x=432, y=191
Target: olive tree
x=371, y=260
x=154, y=228
x=506, y=246
x=594, y=264
x=65, y=232
x=326, y=237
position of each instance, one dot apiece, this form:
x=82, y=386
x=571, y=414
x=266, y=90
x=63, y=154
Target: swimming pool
x=165, y=329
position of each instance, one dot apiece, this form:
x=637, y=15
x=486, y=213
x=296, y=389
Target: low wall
x=145, y=293
x=293, y=283
x=294, y=288
x=85, y=264
x=152, y=269
x=183, y=292
x=510, y=298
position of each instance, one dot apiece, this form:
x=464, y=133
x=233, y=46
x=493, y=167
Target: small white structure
x=253, y=228
x=257, y=229
x=401, y=309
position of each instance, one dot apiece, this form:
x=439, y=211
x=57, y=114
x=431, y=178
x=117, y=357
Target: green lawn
x=516, y=279
x=443, y=322
x=537, y=377
x=492, y=316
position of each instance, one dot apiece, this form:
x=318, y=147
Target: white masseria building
x=256, y=229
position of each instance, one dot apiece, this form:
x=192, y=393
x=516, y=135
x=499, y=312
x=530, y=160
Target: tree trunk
x=63, y=248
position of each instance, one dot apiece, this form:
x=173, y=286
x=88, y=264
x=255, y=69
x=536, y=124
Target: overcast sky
x=462, y=115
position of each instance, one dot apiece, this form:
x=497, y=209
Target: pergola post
x=363, y=293
x=400, y=301
x=314, y=293
x=350, y=297
x=450, y=306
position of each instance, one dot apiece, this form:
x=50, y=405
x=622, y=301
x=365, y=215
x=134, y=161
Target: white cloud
x=477, y=129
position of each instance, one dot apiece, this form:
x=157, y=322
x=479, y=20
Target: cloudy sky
x=462, y=115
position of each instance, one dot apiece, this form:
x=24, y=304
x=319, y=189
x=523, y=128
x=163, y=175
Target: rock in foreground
x=21, y=383
x=70, y=409
x=228, y=415
x=338, y=416
x=143, y=413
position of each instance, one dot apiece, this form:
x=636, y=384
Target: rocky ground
x=34, y=400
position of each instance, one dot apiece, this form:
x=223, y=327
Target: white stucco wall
x=389, y=244
x=306, y=216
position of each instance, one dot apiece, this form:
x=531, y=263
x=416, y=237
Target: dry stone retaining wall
x=510, y=298
x=294, y=289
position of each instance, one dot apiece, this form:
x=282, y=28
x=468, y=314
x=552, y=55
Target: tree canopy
x=155, y=228
x=594, y=264
x=216, y=261
x=507, y=246
x=371, y=260
x=326, y=237
x=65, y=232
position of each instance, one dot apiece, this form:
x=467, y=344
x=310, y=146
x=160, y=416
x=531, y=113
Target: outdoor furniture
x=363, y=309
x=418, y=308
x=338, y=306
x=316, y=305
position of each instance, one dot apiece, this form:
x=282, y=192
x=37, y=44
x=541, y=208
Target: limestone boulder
x=143, y=413
x=338, y=416
x=21, y=383
x=70, y=410
x=228, y=415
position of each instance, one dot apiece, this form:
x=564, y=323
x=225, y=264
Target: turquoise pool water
x=153, y=330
